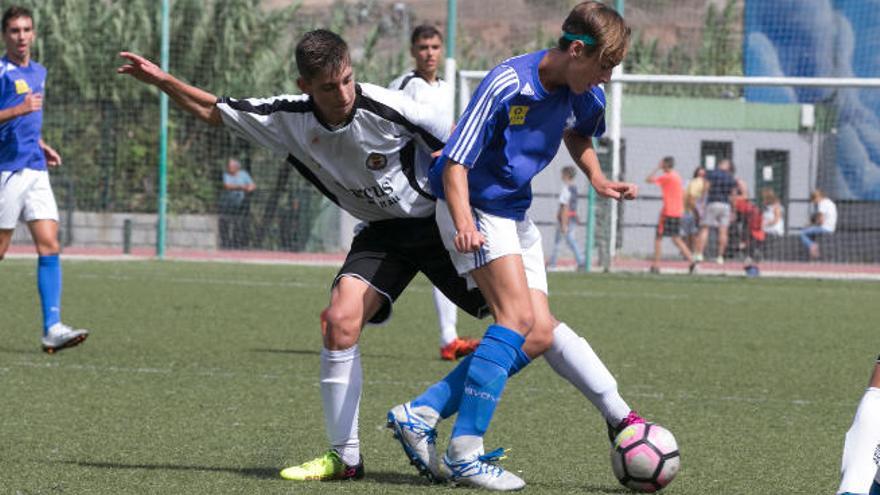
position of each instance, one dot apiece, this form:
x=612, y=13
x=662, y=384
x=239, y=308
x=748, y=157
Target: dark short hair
x=424, y=31
x=15, y=12
x=669, y=161
x=321, y=51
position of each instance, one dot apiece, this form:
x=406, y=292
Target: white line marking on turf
x=527, y=392
x=209, y=281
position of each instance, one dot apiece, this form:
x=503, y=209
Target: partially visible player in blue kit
x=25, y=191
x=510, y=131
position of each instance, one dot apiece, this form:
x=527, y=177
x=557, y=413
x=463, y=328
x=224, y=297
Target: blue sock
x=49, y=285
x=486, y=378
x=519, y=362
x=445, y=395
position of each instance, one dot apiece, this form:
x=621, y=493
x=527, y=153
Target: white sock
x=572, y=358
x=341, y=383
x=447, y=317
x=464, y=446
x=857, y=468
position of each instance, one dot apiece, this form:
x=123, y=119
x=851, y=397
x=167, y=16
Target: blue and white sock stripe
x=480, y=254
x=497, y=92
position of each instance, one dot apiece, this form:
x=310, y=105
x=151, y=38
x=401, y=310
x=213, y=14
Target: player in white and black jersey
x=424, y=85
x=367, y=149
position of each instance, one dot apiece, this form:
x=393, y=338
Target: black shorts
x=387, y=255
x=669, y=227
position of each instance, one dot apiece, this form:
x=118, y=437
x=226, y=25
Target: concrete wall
x=105, y=230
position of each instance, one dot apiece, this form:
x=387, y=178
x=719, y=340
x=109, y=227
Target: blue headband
x=585, y=38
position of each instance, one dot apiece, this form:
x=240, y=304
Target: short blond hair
x=603, y=24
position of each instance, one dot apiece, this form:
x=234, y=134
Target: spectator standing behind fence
x=424, y=85
x=566, y=218
x=694, y=207
x=234, y=205
x=720, y=185
x=772, y=216
x=669, y=224
x=823, y=220
x=25, y=190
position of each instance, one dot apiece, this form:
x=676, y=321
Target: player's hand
x=141, y=69
x=617, y=190
x=468, y=240
x=32, y=103
x=53, y=159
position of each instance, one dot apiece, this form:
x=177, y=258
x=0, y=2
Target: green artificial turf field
x=202, y=378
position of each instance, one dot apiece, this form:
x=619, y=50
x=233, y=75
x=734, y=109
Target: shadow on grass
x=265, y=473
x=303, y=352
x=572, y=487
x=21, y=350
x=309, y=352
x=250, y=472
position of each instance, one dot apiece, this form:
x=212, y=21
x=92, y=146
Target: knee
x=47, y=247
x=340, y=328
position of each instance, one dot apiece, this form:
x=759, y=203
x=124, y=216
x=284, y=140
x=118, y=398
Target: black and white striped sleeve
x=260, y=120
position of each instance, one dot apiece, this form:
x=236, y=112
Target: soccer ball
x=644, y=457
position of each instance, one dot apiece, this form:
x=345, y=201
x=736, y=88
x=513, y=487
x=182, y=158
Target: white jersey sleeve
x=261, y=120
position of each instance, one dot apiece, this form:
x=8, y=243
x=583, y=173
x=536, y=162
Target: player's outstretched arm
x=583, y=154
x=196, y=101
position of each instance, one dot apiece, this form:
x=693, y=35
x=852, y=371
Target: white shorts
x=717, y=215
x=504, y=236
x=27, y=195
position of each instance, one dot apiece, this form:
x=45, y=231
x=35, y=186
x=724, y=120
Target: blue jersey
x=511, y=130
x=20, y=137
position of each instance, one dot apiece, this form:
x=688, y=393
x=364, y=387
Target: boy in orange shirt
x=669, y=224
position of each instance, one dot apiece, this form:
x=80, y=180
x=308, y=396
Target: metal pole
x=161, y=224
x=614, y=134
x=449, y=66
x=591, y=229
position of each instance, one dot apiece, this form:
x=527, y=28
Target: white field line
x=558, y=386
x=663, y=296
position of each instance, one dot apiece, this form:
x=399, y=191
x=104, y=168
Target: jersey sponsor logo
x=376, y=161
x=21, y=87
x=527, y=90
x=381, y=195
x=518, y=114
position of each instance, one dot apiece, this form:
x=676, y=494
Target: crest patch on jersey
x=518, y=114
x=376, y=161
x=21, y=87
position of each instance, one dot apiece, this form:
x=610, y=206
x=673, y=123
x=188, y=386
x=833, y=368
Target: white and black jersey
x=437, y=94
x=374, y=166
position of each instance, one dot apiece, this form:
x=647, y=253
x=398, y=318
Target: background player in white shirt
x=424, y=85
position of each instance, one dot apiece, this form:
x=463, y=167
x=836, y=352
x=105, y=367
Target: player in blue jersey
x=510, y=131
x=25, y=191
